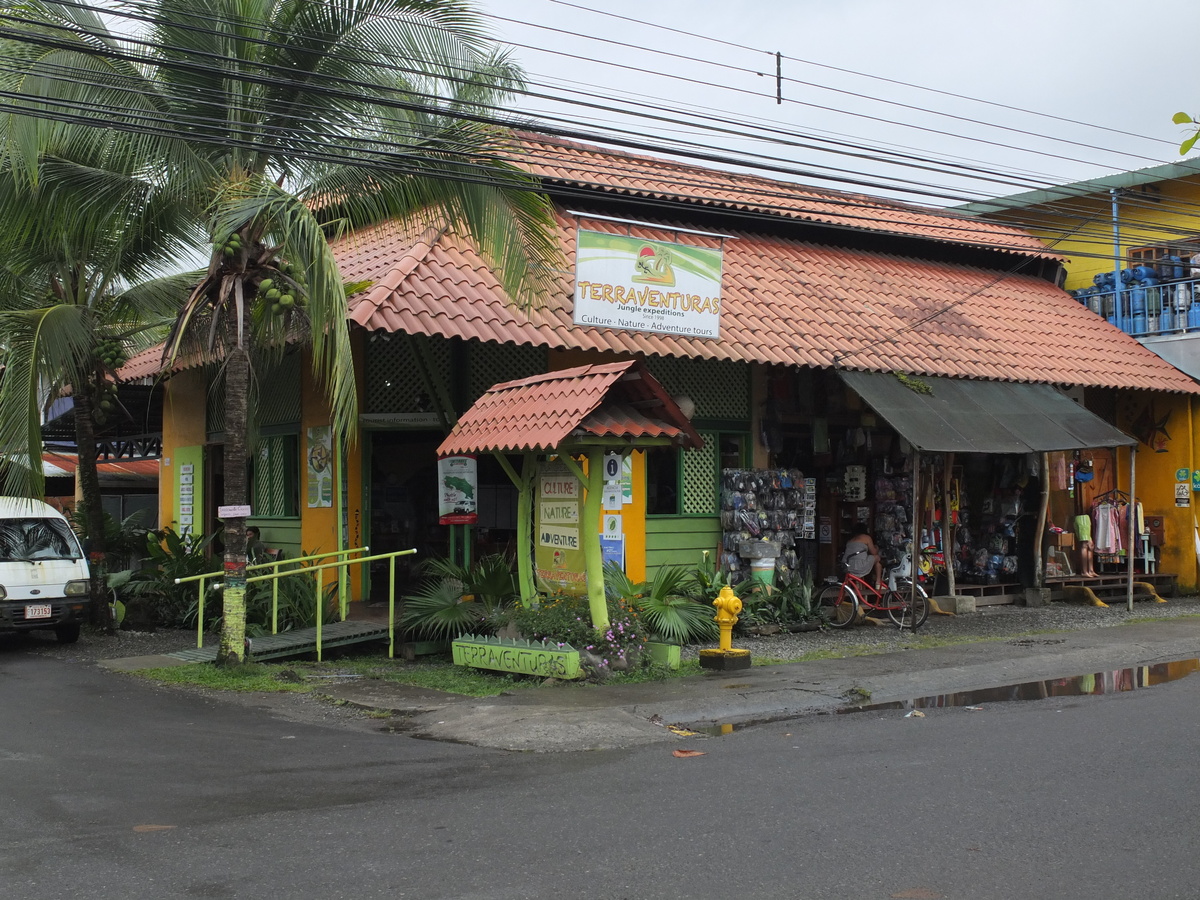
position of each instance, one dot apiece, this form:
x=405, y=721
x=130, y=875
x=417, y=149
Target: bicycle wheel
x=903, y=611
x=839, y=604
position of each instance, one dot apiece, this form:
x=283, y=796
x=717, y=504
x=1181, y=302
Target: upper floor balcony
x=1158, y=304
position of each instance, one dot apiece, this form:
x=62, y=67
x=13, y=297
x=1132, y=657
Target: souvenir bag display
x=777, y=506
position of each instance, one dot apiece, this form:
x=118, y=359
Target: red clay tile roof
x=563, y=162
x=784, y=302
x=618, y=400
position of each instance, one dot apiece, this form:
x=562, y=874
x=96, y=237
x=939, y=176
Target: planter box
x=664, y=654
x=521, y=657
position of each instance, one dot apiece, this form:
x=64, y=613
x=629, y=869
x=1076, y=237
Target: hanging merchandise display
x=768, y=514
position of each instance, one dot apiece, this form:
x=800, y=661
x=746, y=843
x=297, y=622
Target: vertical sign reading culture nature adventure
x=641, y=285
x=558, y=556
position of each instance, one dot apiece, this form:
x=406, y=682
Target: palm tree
x=86, y=237
x=309, y=119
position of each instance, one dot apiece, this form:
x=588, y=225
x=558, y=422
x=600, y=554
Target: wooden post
x=589, y=538
x=914, y=558
x=1039, y=567
x=526, y=583
x=948, y=524
x=1130, y=549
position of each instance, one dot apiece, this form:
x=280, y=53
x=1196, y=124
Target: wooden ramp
x=297, y=643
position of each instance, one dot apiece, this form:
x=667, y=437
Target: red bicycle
x=843, y=602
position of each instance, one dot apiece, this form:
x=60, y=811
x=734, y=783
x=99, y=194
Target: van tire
x=67, y=634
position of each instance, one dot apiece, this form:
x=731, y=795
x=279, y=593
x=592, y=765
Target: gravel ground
x=989, y=623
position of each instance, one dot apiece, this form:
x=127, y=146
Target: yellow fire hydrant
x=728, y=606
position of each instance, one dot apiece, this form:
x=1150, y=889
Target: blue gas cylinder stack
x=1103, y=284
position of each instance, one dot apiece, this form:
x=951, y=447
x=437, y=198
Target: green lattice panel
x=278, y=392
x=394, y=381
x=494, y=363
x=275, y=395
x=271, y=466
x=720, y=389
x=700, y=478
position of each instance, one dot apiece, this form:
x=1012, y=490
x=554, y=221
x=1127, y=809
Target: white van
x=43, y=573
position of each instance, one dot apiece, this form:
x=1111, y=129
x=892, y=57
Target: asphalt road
x=113, y=788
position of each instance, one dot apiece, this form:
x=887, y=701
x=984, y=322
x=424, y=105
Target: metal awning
x=962, y=416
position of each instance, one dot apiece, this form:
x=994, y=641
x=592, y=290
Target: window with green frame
x=687, y=482
x=275, y=476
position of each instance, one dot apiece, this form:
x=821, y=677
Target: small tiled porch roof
x=619, y=400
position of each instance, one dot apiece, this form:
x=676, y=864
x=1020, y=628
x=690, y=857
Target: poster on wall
x=458, y=490
x=641, y=285
x=558, y=554
x=320, y=467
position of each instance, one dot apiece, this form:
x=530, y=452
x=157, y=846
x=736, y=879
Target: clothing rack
x=1115, y=494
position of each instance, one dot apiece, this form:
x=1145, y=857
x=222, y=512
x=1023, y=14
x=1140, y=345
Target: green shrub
x=562, y=619
x=169, y=555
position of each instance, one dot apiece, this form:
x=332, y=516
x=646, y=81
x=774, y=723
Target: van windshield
x=30, y=539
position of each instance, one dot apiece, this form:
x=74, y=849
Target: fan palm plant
x=457, y=599
x=290, y=122
x=667, y=612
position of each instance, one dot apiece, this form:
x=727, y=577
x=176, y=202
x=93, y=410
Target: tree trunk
x=93, y=506
x=237, y=397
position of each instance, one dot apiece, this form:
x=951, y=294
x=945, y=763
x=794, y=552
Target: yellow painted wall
x=184, y=398
x=1152, y=213
x=318, y=525
x=1156, y=473
x=635, y=522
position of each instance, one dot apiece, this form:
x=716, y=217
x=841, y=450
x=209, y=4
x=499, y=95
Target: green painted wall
x=283, y=534
x=679, y=540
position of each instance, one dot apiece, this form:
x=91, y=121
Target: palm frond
x=44, y=348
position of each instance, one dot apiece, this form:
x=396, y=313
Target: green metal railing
x=319, y=587
x=275, y=588
x=318, y=572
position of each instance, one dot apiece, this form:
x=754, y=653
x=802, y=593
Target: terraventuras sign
x=641, y=285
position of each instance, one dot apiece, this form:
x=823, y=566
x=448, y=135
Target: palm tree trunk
x=237, y=398
x=93, y=506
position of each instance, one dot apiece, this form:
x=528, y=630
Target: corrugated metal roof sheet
x=617, y=400
x=958, y=416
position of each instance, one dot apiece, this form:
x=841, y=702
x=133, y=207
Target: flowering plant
x=566, y=619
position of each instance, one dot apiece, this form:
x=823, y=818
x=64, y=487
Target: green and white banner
x=640, y=285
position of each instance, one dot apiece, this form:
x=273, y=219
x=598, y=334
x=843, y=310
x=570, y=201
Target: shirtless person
x=862, y=556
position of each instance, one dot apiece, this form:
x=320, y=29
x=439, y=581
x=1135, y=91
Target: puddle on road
x=1114, y=681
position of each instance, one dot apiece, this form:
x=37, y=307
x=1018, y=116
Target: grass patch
x=246, y=677
x=1144, y=620
x=433, y=673
x=305, y=676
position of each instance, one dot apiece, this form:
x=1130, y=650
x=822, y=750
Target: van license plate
x=41, y=611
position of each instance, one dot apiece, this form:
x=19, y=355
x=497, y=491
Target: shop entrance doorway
x=403, y=496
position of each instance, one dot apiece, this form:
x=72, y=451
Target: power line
x=826, y=200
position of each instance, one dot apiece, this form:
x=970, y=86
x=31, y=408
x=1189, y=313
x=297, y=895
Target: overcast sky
x=1113, y=65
